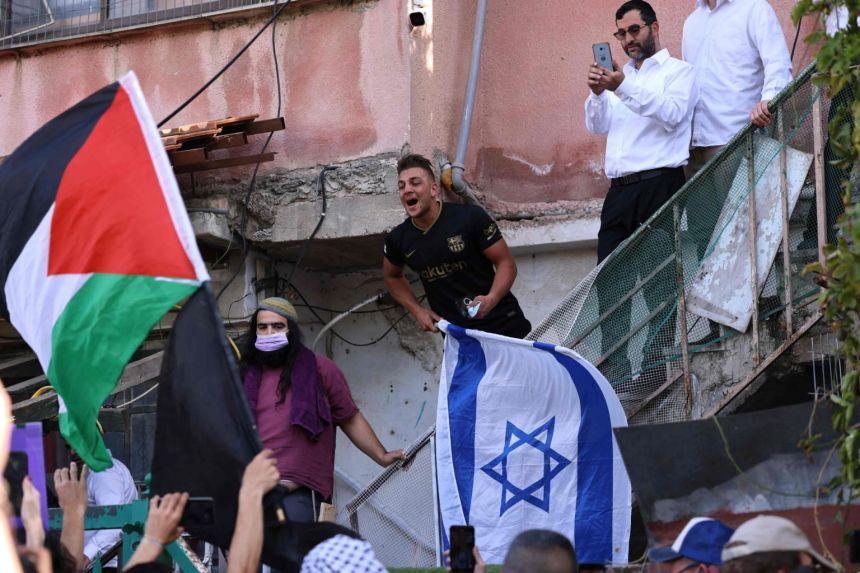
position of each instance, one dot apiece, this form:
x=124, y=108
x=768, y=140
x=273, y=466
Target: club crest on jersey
x=456, y=243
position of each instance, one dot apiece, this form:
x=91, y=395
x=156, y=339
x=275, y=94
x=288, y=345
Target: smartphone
x=199, y=512
x=462, y=539
x=602, y=55
x=17, y=468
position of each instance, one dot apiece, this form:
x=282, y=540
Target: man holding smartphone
x=646, y=110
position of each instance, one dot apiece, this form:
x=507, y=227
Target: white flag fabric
x=524, y=441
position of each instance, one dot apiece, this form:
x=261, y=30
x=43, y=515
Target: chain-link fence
x=28, y=22
x=683, y=284
x=396, y=513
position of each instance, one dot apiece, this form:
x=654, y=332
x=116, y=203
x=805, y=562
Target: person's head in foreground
x=771, y=544
x=696, y=549
x=540, y=550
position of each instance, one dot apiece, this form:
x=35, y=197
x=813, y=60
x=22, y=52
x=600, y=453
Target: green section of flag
x=91, y=342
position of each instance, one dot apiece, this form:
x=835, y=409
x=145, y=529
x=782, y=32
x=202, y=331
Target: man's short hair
x=765, y=562
x=645, y=10
x=415, y=160
x=540, y=550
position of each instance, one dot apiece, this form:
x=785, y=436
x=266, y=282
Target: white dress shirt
x=648, y=118
x=837, y=20
x=741, y=58
x=114, y=486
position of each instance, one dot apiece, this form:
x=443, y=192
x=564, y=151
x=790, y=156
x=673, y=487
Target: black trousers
x=626, y=207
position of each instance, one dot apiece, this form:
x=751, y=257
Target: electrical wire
x=796, y=36
x=313, y=234
x=337, y=334
x=253, y=183
x=219, y=73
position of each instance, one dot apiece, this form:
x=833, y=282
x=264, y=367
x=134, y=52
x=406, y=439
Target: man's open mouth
x=412, y=202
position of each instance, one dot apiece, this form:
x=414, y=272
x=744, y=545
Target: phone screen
x=462, y=542
x=602, y=55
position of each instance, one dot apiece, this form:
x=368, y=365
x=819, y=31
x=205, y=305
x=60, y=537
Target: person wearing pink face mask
x=298, y=398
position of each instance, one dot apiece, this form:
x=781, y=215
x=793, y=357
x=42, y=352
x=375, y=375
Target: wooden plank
x=173, y=147
x=45, y=406
x=266, y=126
x=224, y=163
x=187, y=157
x=189, y=128
x=227, y=141
x=27, y=387
x=21, y=366
x=197, y=135
x=236, y=124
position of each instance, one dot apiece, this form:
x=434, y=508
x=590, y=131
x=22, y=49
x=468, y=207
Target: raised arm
x=260, y=477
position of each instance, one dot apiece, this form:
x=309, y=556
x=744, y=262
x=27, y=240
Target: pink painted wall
x=356, y=82
x=344, y=77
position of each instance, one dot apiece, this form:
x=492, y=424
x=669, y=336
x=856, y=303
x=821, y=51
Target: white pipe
x=343, y=315
x=458, y=182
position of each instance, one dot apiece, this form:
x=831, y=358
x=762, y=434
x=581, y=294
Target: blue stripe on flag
x=594, y=501
x=463, y=399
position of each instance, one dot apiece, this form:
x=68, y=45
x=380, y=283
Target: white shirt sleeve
x=768, y=38
x=108, y=489
x=598, y=112
x=668, y=107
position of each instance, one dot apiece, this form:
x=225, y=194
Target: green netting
x=625, y=316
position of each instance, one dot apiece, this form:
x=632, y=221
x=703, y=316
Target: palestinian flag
x=95, y=247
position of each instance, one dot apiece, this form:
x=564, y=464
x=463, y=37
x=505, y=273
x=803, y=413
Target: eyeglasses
x=632, y=30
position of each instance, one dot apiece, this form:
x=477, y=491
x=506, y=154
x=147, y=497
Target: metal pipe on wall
x=455, y=170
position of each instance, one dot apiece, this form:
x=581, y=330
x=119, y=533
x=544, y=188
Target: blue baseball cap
x=702, y=540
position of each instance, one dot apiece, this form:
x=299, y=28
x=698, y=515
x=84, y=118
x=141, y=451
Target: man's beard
x=647, y=48
x=272, y=359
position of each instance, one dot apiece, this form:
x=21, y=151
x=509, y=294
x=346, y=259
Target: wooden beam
x=21, y=366
x=45, y=406
x=227, y=141
x=266, y=126
x=27, y=387
x=224, y=163
x=187, y=157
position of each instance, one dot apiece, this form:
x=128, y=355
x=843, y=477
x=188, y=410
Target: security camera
x=416, y=18
x=416, y=13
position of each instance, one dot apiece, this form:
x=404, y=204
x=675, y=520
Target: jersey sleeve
x=392, y=250
x=485, y=231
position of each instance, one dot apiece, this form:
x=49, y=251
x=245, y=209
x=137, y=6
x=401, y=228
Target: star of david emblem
x=553, y=464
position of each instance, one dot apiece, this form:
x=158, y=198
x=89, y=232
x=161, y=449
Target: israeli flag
x=524, y=441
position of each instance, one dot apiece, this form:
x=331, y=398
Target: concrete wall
x=395, y=381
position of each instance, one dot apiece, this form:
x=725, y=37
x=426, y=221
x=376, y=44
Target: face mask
x=271, y=342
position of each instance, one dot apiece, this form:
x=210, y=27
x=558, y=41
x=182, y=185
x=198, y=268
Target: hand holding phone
x=462, y=539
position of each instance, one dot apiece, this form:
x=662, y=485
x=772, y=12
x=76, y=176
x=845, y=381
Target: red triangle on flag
x=111, y=215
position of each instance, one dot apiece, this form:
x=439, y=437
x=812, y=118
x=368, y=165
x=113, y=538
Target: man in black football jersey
x=453, y=248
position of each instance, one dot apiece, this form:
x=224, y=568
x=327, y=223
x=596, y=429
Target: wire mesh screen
x=27, y=22
x=396, y=513
x=626, y=316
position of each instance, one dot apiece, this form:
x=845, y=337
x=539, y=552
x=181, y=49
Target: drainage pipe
x=454, y=172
